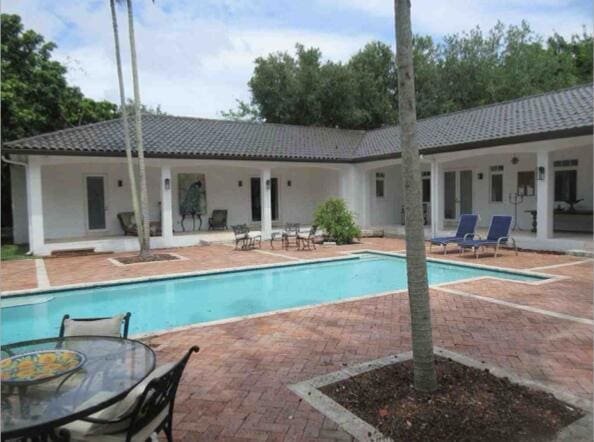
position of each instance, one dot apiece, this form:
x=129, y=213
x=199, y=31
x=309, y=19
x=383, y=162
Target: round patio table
x=111, y=368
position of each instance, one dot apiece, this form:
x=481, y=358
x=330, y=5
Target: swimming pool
x=168, y=303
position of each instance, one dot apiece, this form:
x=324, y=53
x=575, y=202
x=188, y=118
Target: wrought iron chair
x=218, y=220
x=307, y=240
x=95, y=326
x=246, y=239
x=151, y=409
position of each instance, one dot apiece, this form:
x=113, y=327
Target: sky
x=196, y=56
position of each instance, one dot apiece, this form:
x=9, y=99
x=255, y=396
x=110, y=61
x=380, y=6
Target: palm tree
x=125, y=127
x=416, y=264
x=145, y=239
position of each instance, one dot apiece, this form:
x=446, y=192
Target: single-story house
x=516, y=157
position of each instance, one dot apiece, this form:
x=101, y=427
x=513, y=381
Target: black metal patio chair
x=307, y=239
x=146, y=410
x=246, y=239
x=116, y=326
x=218, y=220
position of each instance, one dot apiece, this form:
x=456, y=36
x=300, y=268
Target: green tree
x=466, y=69
x=375, y=86
x=36, y=97
x=416, y=265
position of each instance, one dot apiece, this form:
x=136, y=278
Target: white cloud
x=194, y=62
x=437, y=17
x=188, y=65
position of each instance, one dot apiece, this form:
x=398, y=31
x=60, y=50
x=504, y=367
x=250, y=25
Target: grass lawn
x=14, y=251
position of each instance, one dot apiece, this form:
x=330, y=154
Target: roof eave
x=182, y=156
x=539, y=136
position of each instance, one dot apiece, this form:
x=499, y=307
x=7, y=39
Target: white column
x=364, y=198
x=266, y=203
x=436, y=198
x=347, y=187
x=166, y=206
x=544, y=195
x=35, y=205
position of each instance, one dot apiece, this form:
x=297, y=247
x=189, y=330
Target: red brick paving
x=236, y=385
x=235, y=388
x=571, y=296
x=18, y=275
x=74, y=270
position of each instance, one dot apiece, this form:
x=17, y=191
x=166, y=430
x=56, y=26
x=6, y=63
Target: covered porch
x=67, y=203
x=546, y=186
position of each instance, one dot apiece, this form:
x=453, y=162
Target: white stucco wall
x=385, y=210
x=64, y=197
x=309, y=187
x=64, y=193
x=527, y=162
x=18, y=191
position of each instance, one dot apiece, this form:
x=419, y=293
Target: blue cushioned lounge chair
x=498, y=235
x=466, y=226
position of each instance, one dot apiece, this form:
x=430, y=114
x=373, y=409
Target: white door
x=457, y=193
x=96, y=206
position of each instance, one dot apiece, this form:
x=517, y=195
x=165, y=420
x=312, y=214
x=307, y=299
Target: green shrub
x=337, y=221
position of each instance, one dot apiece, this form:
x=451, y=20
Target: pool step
x=19, y=301
x=581, y=253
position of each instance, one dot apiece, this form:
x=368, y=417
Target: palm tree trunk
x=145, y=243
x=416, y=264
x=125, y=127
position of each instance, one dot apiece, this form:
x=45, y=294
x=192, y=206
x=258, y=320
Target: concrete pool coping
x=347, y=255
x=308, y=390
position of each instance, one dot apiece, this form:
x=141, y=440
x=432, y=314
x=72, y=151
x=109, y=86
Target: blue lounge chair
x=466, y=226
x=498, y=235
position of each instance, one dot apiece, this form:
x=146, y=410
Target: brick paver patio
x=236, y=387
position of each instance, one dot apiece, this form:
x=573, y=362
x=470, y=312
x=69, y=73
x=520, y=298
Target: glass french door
x=95, y=189
x=457, y=185
x=256, y=201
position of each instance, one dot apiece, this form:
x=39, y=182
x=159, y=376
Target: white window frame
x=380, y=176
x=105, y=201
x=496, y=170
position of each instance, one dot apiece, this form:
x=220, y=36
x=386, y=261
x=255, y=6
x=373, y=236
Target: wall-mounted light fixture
x=480, y=176
x=289, y=183
x=167, y=184
x=267, y=184
x=515, y=160
x=120, y=183
x=240, y=183
x=541, y=173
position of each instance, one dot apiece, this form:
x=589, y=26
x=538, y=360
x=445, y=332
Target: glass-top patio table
x=100, y=372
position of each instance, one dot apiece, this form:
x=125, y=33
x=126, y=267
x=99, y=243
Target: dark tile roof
x=549, y=115
x=556, y=114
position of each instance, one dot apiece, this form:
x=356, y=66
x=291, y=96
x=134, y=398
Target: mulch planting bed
x=150, y=258
x=470, y=405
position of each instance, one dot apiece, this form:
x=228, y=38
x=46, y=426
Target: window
x=255, y=194
x=496, y=184
x=379, y=185
x=526, y=183
x=426, y=190
x=565, y=163
x=565, y=185
x=426, y=186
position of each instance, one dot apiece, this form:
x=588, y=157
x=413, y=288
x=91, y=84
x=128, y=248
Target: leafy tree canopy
x=464, y=70
x=36, y=97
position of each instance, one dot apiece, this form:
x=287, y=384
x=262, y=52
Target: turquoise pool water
x=164, y=304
